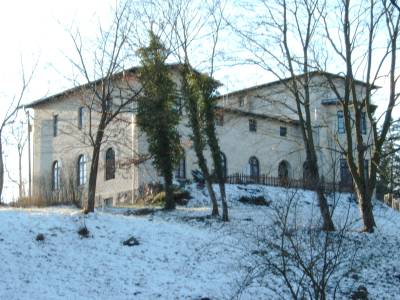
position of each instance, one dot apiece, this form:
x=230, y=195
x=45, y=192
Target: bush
x=40, y=237
x=254, y=200
x=181, y=197
x=132, y=241
x=84, y=232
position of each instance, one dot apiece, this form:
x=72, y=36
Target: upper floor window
x=283, y=131
x=254, y=167
x=180, y=171
x=55, y=176
x=252, y=125
x=55, y=125
x=81, y=170
x=363, y=123
x=110, y=164
x=340, y=121
x=81, y=116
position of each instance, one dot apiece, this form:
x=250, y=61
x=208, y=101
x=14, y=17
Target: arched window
x=110, y=164
x=224, y=164
x=283, y=172
x=81, y=117
x=254, y=167
x=180, y=171
x=55, y=176
x=81, y=170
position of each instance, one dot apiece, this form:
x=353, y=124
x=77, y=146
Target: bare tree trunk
x=20, y=181
x=365, y=205
x=94, y=166
x=322, y=202
x=216, y=156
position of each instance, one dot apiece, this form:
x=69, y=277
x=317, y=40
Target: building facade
x=258, y=130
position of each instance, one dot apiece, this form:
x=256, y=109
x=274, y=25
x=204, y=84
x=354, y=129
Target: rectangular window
x=340, y=121
x=55, y=125
x=283, y=131
x=345, y=175
x=80, y=117
x=252, y=125
x=363, y=123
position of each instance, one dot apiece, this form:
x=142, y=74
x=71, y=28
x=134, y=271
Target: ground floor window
x=180, y=171
x=345, y=175
x=254, y=166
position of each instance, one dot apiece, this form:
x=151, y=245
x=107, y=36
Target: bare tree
x=293, y=25
x=9, y=117
x=364, y=27
x=17, y=139
x=108, y=91
x=311, y=263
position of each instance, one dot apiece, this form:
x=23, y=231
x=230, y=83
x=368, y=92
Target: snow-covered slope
x=181, y=255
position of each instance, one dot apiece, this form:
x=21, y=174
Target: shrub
x=132, y=241
x=254, y=200
x=181, y=197
x=84, y=232
x=40, y=237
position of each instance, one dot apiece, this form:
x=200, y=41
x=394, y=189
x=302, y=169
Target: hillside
x=184, y=254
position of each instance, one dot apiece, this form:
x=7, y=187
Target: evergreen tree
x=157, y=116
x=388, y=180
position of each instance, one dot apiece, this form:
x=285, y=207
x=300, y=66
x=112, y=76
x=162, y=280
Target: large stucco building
x=258, y=131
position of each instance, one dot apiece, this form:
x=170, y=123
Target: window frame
x=252, y=125
x=110, y=168
x=81, y=170
x=283, y=131
x=55, y=125
x=81, y=117
x=340, y=122
x=254, y=165
x=363, y=122
x=345, y=175
x=55, y=176
x=180, y=171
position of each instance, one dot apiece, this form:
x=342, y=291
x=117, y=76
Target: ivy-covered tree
x=194, y=104
x=156, y=115
x=208, y=86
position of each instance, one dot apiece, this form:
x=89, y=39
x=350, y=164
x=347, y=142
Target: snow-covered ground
x=181, y=255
